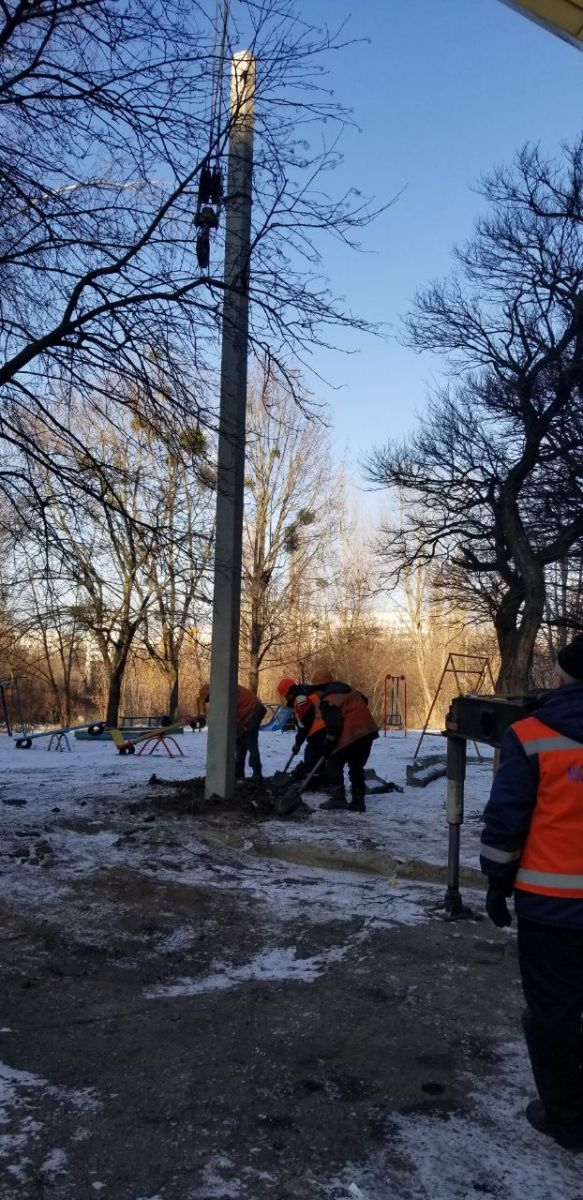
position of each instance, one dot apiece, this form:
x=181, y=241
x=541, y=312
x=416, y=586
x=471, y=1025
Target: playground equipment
x=161, y=739
x=58, y=739
x=454, y=666
x=282, y=718
x=395, y=705
x=135, y=725
x=10, y=682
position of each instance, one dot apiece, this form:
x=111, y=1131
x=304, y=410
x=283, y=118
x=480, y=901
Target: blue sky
x=444, y=90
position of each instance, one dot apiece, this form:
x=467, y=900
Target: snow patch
x=213, y=1182
x=277, y=964
x=19, y=1092
x=55, y=1162
x=490, y=1152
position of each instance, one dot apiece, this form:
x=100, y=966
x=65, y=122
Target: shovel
x=292, y=797
x=280, y=777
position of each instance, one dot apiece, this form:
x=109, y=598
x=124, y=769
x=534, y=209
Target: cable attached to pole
x=210, y=187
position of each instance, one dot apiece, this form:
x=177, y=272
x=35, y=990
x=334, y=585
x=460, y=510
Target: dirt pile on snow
x=187, y=796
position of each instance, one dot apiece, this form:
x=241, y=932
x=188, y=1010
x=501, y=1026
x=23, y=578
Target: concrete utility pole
x=220, y=763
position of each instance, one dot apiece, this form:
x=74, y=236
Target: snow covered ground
x=407, y=826
x=71, y=818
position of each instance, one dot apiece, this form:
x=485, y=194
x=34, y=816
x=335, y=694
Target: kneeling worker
x=250, y=713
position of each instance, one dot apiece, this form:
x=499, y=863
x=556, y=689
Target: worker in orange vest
x=532, y=844
x=310, y=727
x=250, y=713
x=341, y=719
x=350, y=732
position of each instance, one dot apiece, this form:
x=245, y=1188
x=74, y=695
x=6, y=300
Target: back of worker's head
x=320, y=678
x=569, y=665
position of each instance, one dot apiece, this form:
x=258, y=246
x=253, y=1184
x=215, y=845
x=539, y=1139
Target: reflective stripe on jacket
x=551, y=862
x=247, y=705
x=357, y=720
x=307, y=714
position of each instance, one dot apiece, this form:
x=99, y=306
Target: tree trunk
x=116, y=672
x=517, y=624
x=260, y=578
x=114, y=695
x=254, y=653
x=173, y=691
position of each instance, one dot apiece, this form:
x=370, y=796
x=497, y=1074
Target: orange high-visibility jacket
x=357, y=720
x=303, y=706
x=551, y=862
x=247, y=705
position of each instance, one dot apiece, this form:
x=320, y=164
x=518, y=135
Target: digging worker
x=303, y=698
x=250, y=713
x=532, y=844
x=345, y=724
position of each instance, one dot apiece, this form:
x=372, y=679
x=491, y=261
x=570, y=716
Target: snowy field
x=72, y=817
x=408, y=826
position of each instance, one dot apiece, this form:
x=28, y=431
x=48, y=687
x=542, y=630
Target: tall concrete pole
x=220, y=763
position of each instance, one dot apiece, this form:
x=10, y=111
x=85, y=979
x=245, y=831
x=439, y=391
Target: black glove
x=496, y=906
x=297, y=746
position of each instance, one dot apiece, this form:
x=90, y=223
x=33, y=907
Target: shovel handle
x=303, y=785
x=292, y=797
x=287, y=765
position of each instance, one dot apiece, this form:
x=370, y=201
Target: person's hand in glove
x=496, y=905
x=297, y=746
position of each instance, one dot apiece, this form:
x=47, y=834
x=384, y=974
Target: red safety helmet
x=285, y=685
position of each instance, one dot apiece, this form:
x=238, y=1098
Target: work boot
x=257, y=779
x=357, y=802
x=299, y=772
x=337, y=800
x=537, y=1117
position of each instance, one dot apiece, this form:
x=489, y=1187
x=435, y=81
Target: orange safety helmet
x=285, y=685
x=322, y=677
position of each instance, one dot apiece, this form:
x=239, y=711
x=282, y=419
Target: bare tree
x=109, y=115
x=494, y=473
x=51, y=645
x=349, y=633
x=177, y=569
x=285, y=524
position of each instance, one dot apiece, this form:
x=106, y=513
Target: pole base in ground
x=452, y=908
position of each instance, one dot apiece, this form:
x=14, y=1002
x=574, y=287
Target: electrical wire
x=217, y=97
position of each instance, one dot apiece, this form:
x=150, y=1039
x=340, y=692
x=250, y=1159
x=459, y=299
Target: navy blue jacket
x=509, y=810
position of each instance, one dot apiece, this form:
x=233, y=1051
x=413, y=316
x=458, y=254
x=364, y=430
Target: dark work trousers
x=314, y=750
x=356, y=757
x=551, y=965
x=248, y=744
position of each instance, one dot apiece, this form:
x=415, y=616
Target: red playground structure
x=395, y=709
